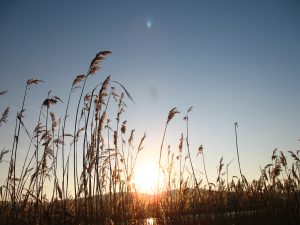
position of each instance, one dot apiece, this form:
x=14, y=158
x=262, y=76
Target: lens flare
x=149, y=24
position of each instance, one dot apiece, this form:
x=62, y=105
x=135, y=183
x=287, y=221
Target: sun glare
x=145, y=178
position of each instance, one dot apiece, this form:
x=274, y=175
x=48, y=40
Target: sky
x=233, y=61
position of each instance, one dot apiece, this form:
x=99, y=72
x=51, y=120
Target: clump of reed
x=271, y=199
x=101, y=187
x=97, y=154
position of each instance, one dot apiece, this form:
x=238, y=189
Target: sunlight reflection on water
x=149, y=221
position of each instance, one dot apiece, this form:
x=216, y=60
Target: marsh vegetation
x=85, y=160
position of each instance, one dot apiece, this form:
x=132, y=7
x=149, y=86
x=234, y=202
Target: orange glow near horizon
x=145, y=178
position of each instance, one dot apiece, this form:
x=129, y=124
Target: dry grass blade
x=274, y=156
x=95, y=64
x=59, y=190
x=200, y=150
x=87, y=98
x=141, y=143
x=53, y=118
x=33, y=81
x=3, y=92
x=106, y=82
x=127, y=93
x=4, y=116
x=180, y=143
x=276, y=171
x=171, y=114
x=78, y=133
x=282, y=159
x=268, y=165
x=78, y=79
x=115, y=138
x=57, y=98
x=221, y=164
x=2, y=154
x=21, y=122
x=102, y=91
x=190, y=109
x=130, y=140
x=123, y=128
x=294, y=173
x=294, y=156
x=51, y=101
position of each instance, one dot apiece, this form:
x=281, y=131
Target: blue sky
x=234, y=61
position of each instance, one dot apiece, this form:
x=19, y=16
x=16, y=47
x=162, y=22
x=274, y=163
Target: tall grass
x=103, y=189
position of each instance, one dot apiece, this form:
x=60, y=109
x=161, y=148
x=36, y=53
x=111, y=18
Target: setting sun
x=145, y=178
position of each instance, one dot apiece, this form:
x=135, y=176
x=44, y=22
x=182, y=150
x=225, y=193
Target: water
x=153, y=221
x=150, y=221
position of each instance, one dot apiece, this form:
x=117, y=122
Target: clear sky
x=233, y=60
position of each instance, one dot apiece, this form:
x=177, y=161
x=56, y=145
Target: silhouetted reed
x=103, y=189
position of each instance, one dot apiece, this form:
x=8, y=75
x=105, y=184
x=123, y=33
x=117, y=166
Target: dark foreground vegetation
x=86, y=160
